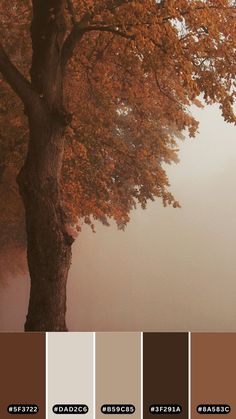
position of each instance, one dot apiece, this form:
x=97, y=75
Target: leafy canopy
x=133, y=71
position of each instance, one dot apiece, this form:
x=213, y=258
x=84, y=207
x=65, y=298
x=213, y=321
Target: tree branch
x=186, y=12
x=72, y=11
x=15, y=79
x=79, y=31
x=110, y=29
x=73, y=38
x=117, y=3
x=80, y=28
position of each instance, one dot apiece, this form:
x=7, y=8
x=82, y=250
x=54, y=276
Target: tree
x=92, y=112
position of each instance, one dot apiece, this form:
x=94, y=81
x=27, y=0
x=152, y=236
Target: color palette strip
x=120, y=373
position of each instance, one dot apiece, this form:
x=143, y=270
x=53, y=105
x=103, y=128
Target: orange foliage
x=134, y=73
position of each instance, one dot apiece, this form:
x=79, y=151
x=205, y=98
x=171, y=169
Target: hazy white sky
x=172, y=269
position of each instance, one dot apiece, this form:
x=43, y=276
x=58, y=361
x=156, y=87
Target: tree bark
x=48, y=242
x=48, y=239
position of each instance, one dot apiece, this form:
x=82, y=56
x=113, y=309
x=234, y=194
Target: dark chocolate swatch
x=165, y=373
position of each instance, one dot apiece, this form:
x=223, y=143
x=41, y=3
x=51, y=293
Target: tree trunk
x=48, y=239
x=48, y=243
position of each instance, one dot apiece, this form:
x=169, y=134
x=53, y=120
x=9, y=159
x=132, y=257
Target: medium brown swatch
x=118, y=371
x=213, y=358
x=165, y=371
x=22, y=367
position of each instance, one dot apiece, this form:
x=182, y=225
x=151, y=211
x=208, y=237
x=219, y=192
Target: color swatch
x=118, y=374
x=213, y=371
x=22, y=374
x=70, y=374
x=165, y=374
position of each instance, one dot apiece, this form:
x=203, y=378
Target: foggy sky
x=172, y=269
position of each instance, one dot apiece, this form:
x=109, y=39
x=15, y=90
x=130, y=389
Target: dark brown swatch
x=213, y=359
x=165, y=372
x=22, y=372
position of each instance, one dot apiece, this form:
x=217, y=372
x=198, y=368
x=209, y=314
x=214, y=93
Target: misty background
x=172, y=269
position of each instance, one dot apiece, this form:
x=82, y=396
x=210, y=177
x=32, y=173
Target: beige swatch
x=118, y=370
